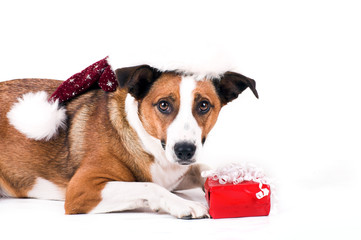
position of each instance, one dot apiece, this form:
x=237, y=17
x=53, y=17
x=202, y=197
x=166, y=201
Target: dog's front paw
x=196, y=211
x=186, y=209
x=162, y=199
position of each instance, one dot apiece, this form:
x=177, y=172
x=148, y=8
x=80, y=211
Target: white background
x=304, y=130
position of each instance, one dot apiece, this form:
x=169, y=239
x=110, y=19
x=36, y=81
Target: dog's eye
x=204, y=107
x=164, y=107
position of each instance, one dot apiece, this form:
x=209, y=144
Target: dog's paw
x=186, y=209
x=178, y=207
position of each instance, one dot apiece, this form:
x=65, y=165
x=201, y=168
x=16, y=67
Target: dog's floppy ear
x=232, y=84
x=137, y=79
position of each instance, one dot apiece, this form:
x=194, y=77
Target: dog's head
x=178, y=110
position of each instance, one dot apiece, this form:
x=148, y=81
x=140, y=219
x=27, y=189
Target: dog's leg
x=120, y=196
x=193, y=178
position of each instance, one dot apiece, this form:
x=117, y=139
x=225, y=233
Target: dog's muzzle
x=185, y=152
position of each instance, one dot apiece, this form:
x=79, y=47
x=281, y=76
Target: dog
x=122, y=150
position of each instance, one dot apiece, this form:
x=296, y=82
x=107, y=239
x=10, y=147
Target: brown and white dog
x=121, y=150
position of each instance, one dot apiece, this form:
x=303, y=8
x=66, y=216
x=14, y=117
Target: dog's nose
x=184, y=150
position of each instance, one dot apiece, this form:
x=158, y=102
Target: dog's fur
x=117, y=151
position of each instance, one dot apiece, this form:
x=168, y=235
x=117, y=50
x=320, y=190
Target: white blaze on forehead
x=184, y=127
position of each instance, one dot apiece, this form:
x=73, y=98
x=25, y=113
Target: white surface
x=304, y=130
x=308, y=215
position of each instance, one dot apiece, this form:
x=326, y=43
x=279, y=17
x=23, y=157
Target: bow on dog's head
x=178, y=110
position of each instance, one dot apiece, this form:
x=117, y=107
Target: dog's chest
x=168, y=175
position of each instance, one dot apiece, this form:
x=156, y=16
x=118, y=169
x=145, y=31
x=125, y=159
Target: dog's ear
x=232, y=84
x=137, y=79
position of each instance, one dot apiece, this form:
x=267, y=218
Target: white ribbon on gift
x=264, y=192
x=237, y=173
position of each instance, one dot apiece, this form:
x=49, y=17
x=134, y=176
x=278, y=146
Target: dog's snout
x=184, y=150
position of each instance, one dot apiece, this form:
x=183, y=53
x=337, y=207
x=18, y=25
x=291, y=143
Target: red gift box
x=244, y=199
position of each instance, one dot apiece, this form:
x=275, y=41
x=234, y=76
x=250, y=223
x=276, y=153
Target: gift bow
x=236, y=173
